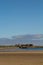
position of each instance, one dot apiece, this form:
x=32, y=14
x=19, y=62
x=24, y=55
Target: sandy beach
x=21, y=58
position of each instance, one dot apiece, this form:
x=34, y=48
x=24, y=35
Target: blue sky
x=19, y=17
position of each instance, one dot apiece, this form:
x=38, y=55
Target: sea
x=21, y=49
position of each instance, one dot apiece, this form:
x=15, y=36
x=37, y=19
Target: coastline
x=17, y=52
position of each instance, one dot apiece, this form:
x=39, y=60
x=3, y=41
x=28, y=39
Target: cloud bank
x=36, y=39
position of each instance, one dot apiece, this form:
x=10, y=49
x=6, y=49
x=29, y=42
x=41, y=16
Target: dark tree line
x=24, y=45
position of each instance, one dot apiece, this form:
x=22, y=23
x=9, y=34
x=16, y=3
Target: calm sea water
x=18, y=49
x=34, y=49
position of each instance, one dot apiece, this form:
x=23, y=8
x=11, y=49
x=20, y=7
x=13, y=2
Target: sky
x=19, y=17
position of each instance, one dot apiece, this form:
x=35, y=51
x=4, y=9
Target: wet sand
x=21, y=58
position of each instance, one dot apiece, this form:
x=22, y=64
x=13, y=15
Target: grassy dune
x=21, y=58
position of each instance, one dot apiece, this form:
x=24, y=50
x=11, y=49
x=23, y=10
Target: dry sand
x=21, y=58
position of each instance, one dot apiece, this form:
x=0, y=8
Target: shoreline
x=22, y=52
